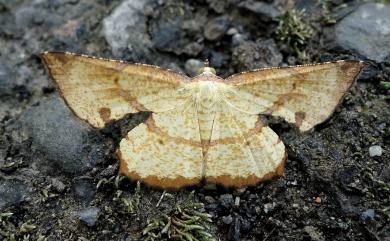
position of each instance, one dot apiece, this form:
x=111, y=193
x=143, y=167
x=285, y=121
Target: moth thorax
x=206, y=70
x=208, y=94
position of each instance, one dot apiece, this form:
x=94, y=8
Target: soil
x=333, y=189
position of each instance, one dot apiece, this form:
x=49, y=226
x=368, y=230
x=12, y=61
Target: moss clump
x=10, y=232
x=186, y=221
x=294, y=32
x=386, y=86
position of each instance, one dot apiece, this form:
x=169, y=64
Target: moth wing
x=242, y=150
x=166, y=151
x=304, y=95
x=99, y=90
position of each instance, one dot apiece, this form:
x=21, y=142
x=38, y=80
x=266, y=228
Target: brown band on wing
x=155, y=181
x=105, y=114
x=132, y=101
x=150, y=123
x=299, y=117
x=282, y=99
x=256, y=129
x=237, y=182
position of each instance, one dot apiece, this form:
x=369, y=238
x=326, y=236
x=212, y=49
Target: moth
x=202, y=128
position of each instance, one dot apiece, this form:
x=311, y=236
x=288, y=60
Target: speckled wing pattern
x=100, y=90
x=304, y=95
x=204, y=128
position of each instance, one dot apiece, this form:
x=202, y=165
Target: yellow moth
x=201, y=128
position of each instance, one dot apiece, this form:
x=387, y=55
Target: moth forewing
x=305, y=95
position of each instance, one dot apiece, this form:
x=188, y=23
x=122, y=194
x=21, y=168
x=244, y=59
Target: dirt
x=332, y=188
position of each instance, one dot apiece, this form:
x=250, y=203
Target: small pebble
x=89, y=215
x=192, y=66
x=237, y=201
x=369, y=214
x=318, y=200
x=375, y=151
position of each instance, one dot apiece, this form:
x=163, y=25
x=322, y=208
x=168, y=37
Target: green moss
x=386, y=86
x=294, y=32
x=10, y=232
x=186, y=221
x=132, y=204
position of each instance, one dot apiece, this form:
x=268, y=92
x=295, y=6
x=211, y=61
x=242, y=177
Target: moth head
x=206, y=70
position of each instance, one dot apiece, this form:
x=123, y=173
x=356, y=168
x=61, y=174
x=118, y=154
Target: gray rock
x=216, y=28
x=66, y=143
x=375, y=151
x=252, y=55
x=192, y=66
x=369, y=214
x=366, y=31
x=89, y=215
x=12, y=192
x=226, y=200
x=125, y=29
x=262, y=8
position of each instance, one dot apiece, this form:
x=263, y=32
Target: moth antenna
x=206, y=63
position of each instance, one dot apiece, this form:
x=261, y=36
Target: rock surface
x=65, y=141
x=125, y=30
x=89, y=215
x=366, y=31
x=12, y=192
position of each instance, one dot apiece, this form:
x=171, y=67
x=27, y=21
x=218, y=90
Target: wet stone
x=366, y=31
x=89, y=215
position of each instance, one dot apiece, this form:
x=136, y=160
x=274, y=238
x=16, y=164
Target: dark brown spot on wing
x=299, y=117
x=105, y=114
